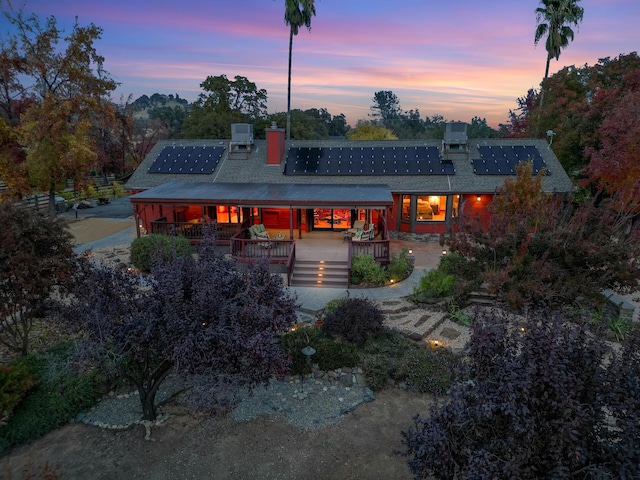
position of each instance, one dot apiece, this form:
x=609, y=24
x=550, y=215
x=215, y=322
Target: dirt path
x=91, y=229
x=360, y=446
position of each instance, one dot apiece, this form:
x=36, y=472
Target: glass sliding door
x=331, y=219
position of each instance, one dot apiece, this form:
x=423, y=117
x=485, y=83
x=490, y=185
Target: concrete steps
x=320, y=273
x=482, y=297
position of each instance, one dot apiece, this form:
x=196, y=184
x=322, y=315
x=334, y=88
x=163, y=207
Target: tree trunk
x=289, y=86
x=546, y=74
x=148, y=401
x=546, y=71
x=148, y=387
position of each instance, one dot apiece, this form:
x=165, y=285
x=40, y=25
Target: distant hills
x=143, y=106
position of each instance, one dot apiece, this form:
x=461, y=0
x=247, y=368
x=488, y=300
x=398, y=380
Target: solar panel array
x=180, y=159
x=498, y=160
x=366, y=161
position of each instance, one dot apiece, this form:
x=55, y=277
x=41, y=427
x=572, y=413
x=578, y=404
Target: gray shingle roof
x=253, y=169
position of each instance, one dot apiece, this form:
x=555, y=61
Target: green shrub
x=620, y=327
x=150, y=248
x=59, y=395
x=459, y=315
x=429, y=371
x=15, y=381
x=365, y=269
x=455, y=264
x=434, y=285
x=330, y=353
x=399, y=266
x=355, y=320
x=383, y=357
x=118, y=189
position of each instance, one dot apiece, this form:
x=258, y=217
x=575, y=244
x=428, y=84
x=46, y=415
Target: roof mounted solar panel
x=367, y=161
x=178, y=159
x=497, y=160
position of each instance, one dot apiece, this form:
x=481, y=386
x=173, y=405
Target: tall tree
x=386, y=107
x=69, y=85
x=296, y=14
x=554, y=19
x=222, y=103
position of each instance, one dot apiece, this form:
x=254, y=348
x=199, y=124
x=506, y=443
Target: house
x=408, y=189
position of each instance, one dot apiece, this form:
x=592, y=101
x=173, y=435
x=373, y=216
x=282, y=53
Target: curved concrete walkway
x=312, y=299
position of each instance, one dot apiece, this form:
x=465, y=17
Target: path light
x=308, y=352
x=444, y=252
x=410, y=252
x=392, y=280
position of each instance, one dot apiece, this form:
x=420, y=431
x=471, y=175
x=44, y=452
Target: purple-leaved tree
x=201, y=318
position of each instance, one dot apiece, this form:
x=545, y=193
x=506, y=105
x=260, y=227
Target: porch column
x=290, y=222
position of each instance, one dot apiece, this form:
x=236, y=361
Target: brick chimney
x=275, y=144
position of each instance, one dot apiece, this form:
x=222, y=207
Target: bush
x=550, y=402
x=330, y=353
x=355, y=320
x=429, y=371
x=434, y=285
x=455, y=264
x=147, y=250
x=399, y=267
x=15, y=382
x=383, y=356
x=332, y=305
x=365, y=269
x=118, y=189
x=60, y=394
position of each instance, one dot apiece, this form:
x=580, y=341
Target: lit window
x=431, y=208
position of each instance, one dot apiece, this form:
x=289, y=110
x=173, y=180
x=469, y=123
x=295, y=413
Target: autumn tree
x=65, y=76
x=546, y=399
x=370, y=131
x=36, y=255
x=541, y=249
x=578, y=102
x=193, y=317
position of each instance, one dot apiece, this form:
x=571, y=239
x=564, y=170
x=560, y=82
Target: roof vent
x=455, y=133
x=242, y=134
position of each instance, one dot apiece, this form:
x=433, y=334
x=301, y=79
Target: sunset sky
x=456, y=58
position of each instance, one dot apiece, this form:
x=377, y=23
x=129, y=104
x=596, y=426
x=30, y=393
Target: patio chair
x=259, y=232
x=357, y=225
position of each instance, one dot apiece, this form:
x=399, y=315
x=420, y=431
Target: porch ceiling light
x=478, y=198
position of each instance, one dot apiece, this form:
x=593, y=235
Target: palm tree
x=554, y=19
x=297, y=13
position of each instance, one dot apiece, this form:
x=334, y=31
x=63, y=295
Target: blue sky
x=458, y=59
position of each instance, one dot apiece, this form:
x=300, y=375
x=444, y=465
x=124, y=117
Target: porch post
x=290, y=222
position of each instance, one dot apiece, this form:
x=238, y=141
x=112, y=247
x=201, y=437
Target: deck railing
x=193, y=231
x=246, y=249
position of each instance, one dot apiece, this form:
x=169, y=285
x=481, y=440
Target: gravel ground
x=309, y=405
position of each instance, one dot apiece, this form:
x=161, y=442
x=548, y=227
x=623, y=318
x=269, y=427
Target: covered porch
x=288, y=210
